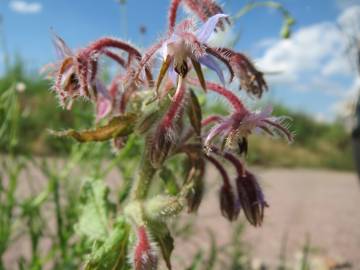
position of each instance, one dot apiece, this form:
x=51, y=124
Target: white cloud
x=314, y=59
x=344, y=4
x=344, y=107
x=25, y=7
x=319, y=48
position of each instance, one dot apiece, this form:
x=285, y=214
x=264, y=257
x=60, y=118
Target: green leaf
x=122, y=125
x=169, y=180
x=197, y=261
x=93, y=221
x=194, y=113
x=147, y=121
x=162, y=236
x=112, y=253
x=209, y=264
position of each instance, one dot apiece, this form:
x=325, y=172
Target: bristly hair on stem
x=157, y=102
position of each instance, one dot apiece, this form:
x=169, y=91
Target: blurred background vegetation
x=28, y=110
x=317, y=144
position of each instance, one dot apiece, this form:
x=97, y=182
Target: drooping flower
x=251, y=198
x=228, y=204
x=251, y=79
x=235, y=128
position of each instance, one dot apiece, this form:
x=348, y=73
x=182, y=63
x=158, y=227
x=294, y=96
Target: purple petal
x=210, y=62
x=164, y=48
x=62, y=50
x=100, y=87
x=103, y=107
x=216, y=130
x=205, y=31
x=266, y=112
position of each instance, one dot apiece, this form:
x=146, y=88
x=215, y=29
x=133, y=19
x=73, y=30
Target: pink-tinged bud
x=145, y=255
x=166, y=133
x=251, y=198
x=229, y=207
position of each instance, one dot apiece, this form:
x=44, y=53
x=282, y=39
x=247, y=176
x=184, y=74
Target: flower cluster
x=167, y=113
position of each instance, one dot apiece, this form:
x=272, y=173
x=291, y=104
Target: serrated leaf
x=93, y=220
x=194, y=112
x=122, y=125
x=162, y=236
x=112, y=254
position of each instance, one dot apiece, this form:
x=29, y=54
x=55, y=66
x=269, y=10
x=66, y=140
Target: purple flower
x=76, y=74
x=251, y=79
x=251, y=198
x=228, y=204
x=185, y=43
x=234, y=129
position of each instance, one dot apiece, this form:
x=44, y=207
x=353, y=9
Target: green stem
x=143, y=180
x=59, y=219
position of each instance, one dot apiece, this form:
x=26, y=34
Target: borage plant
x=166, y=114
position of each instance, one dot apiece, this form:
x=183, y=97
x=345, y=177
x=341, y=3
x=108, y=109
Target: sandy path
x=322, y=204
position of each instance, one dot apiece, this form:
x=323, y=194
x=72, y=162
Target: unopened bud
x=160, y=147
x=163, y=207
x=228, y=205
x=196, y=193
x=251, y=198
x=147, y=121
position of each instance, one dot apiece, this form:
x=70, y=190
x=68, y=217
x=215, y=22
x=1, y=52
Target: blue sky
x=315, y=81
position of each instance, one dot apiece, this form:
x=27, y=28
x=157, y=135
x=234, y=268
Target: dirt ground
x=321, y=204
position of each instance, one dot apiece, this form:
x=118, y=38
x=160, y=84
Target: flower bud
x=163, y=207
x=251, y=198
x=195, y=195
x=147, y=121
x=228, y=204
x=145, y=255
x=160, y=147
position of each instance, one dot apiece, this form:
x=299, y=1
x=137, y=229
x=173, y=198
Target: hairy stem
x=143, y=180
